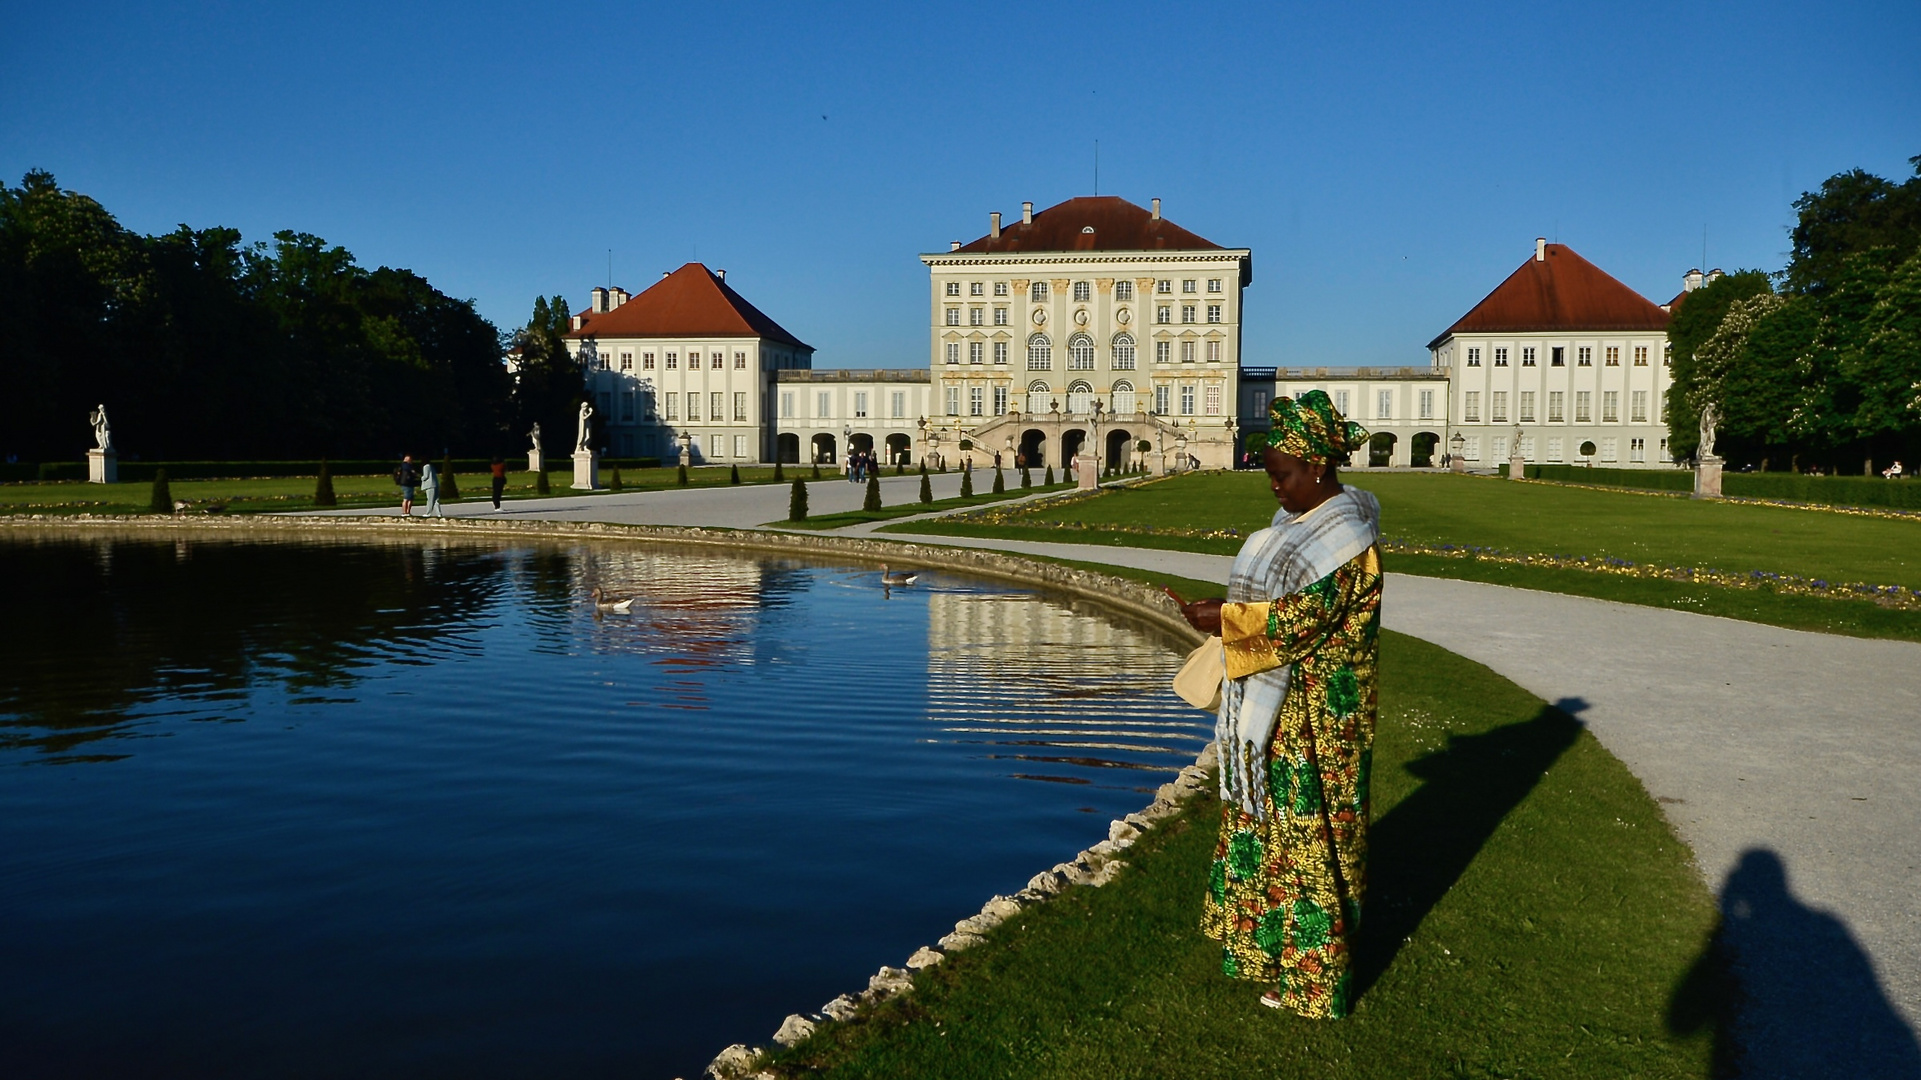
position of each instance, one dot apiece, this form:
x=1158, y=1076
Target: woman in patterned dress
x=1301, y=631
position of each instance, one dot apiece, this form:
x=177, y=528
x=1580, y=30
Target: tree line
x=205, y=347
x=1818, y=365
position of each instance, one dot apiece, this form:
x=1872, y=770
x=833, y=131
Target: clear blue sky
x=1388, y=164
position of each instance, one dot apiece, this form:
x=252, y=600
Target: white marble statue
x=586, y=430
x=102, y=433
x=1710, y=418
x=534, y=434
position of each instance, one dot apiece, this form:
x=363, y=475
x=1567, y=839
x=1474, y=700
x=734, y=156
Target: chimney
x=1540, y=249
x=994, y=224
x=578, y=320
x=1692, y=280
x=1714, y=275
x=666, y=274
x=1157, y=209
x=721, y=273
x=600, y=300
x=953, y=245
x=1027, y=213
x=619, y=296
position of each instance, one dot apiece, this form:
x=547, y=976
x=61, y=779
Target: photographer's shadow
x=1787, y=989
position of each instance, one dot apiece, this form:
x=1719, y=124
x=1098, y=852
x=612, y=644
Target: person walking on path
x=406, y=477
x=499, y=473
x=430, y=487
x=1300, y=630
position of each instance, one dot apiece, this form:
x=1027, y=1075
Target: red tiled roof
x=1674, y=305
x=690, y=302
x=1560, y=291
x=1118, y=225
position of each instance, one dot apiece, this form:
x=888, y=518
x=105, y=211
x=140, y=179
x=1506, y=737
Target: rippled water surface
x=416, y=810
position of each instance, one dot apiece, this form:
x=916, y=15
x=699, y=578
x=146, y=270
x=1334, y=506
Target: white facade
x=1405, y=409
x=821, y=413
x=1564, y=392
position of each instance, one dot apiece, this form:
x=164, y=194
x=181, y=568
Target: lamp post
x=1097, y=437
x=1233, y=451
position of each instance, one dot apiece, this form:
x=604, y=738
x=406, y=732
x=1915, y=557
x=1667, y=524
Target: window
x=1637, y=449
x=1037, y=397
x=1667, y=358
x=1527, y=406
x=1260, y=403
x=1583, y=406
x=786, y=404
x=627, y=403
x=824, y=404
x=976, y=316
x=1500, y=356
x=716, y=361
x=1187, y=285
x=1000, y=288
x=1638, y=404
x=1211, y=401
x=1471, y=448
x=1554, y=449
x=1160, y=399
x=740, y=446
x=716, y=405
x=1123, y=397
x=1427, y=404
x=952, y=395
x=1083, y=292
x=1384, y=405
x=1163, y=287
x=975, y=288
x=1187, y=399
x=1556, y=406
x=1584, y=356
x=1037, y=292
x=673, y=361
x=740, y=361
x=601, y=359
x=1123, y=353
x=1080, y=399
x=1163, y=314
x=1214, y=352
x=1474, y=356
x=1000, y=352
x=1340, y=402
x=1213, y=313
x=1000, y=316
x=860, y=404
x=1123, y=290
x=1163, y=352
x=1614, y=356
x=976, y=352
x=1611, y=407
x=1640, y=356
x=646, y=361
x=976, y=400
x=627, y=360
x=1187, y=352
x=1557, y=357
x=1497, y=413
x=953, y=352
x=1213, y=284
x=1187, y=312
x=898, y=401
x=1040, y=353
x=693, y=406
x=953, y=316
x=1000, y=400
x=1499, y=443
x=1471, y=408
x=740, y=405
x=953, y=288
x=694, y=445
x=1610, y=449
x=1080, y=353
x=1527, y=356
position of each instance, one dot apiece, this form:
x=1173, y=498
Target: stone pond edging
x=1092, y=868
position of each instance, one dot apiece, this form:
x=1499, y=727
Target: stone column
x=586, y=470
x=103, y=467
x=1707, y=478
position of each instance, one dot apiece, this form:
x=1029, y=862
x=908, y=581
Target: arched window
x=1040, y=353
x=1080, y=398
x=1123, y=352
x=1080, y=353
x=1123, y=397
x=1038, y=397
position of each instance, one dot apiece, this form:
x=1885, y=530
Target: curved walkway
x=1753, y=738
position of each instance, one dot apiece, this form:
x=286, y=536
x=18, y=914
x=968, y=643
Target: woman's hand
x=1202, y=615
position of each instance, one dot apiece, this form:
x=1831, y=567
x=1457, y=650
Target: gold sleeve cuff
x=1244, y=639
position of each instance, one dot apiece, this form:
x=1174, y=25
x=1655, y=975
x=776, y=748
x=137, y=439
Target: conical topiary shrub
x=1050, y=477
x=926, y=486
x=1027, y=478
x=449, y=490
x=967, y=483
x=733, y=475
x=797, y=502
x=680, y=475
x=1000, y=482
x=816, y=470
x=872, y=502
x=780, y=476
x=323, y=487
x=614, y=483
x=900, y=467
x=161, y=501
x=541, y=486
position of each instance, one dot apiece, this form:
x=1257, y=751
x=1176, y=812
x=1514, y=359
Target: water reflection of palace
x=1065, y=695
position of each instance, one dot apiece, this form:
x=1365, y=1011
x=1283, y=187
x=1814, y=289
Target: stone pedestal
x=536, y=461
x=1457, y=463
x=1707, y=478
x=1517, y=468
x=103, y=467
x=1090, y=477
x=586, y=470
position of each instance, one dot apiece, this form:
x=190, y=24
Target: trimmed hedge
x=1787, y=487
x=142, y=471
x=1662, y=479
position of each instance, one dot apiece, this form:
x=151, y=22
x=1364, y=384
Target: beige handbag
x=1199, y=681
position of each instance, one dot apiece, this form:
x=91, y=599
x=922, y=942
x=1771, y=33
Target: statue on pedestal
x=102, y=432
x=1710, y=419
x=581, y=443
x=534, y=434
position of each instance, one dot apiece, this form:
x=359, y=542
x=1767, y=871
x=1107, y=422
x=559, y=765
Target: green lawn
x=1530, y=914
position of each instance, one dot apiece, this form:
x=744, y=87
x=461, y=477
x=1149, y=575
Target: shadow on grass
x=1420, y=848
x=1787, y=989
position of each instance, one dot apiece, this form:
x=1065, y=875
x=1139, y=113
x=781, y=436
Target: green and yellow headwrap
x=1310, y=429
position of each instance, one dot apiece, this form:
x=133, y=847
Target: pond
x=418, y=809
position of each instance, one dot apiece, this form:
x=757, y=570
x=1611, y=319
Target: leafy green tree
x=1697, y=320
x=1854, y=212
x=1884, y=362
